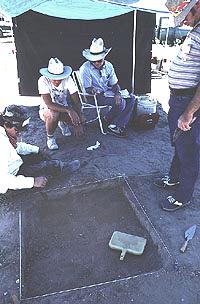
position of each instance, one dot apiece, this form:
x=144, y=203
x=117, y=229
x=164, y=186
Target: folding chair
x=83, y=95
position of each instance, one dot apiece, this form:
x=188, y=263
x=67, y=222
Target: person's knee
x=51, y=116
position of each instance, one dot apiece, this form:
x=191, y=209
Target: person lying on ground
x=99, y=77
x=60, y=105
x=23, y=165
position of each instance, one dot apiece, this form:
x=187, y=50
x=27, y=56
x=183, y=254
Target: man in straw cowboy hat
x=99, y=77
x=183, y=116
x=22, y=165
x=60, y=102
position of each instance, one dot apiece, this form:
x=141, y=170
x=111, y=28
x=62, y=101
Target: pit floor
x=65, y=242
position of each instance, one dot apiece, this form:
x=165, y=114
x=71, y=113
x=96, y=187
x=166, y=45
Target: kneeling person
x=22, y=165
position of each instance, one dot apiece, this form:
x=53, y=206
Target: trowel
x=189, y=233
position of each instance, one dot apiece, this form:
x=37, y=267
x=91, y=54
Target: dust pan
x=127, y=243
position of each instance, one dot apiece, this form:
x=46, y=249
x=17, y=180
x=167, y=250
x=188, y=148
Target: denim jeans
x=185, y=163
x=34, y=166
x=118, y=115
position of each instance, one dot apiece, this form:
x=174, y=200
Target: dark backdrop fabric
x=39, y=37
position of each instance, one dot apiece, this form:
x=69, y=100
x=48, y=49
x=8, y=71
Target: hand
x=185, y=121
x=118, y=99
x=74, y=117
x=40, y=182
x=78, y=130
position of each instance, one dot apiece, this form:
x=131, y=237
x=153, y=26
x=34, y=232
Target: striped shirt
x=184, y=71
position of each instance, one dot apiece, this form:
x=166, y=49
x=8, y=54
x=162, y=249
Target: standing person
x=184, y=102
x=99, y=77
x=23, y=166
x=60, y=102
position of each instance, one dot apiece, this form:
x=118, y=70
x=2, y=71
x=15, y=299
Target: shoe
x=166, y=182
x=51, y=143
x=114, y=130
x=70, y=167
x=171, y=204
x=64, y=129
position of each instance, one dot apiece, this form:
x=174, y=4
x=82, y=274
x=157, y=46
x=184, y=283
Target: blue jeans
x=34, y=166
x=185, y=163
x=118, y=114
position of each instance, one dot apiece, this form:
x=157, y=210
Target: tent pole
x=134, y=49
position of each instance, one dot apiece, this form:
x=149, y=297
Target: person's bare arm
x=186, y=119
x=78, y=107
x=54, y=106
x=60, y=108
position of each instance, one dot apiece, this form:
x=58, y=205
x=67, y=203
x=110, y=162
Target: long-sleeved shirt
x=10, y=163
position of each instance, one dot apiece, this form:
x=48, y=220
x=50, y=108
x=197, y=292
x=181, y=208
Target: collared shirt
x=58, y=94
x=10, y=163
x=102, y=79
x=184, y=71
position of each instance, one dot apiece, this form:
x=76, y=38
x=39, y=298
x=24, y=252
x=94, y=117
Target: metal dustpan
x=127, y=243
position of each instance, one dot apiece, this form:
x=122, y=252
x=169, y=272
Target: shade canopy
x=80, y=9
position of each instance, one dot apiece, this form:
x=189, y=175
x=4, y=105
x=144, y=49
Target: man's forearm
x=52, y=105
x=194, y=105
x=76, y=103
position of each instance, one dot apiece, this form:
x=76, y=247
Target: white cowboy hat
x=56, y=70
x=180, y=9
x=97, y=51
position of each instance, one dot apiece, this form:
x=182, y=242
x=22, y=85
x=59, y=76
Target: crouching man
x=60, y=105
x=23, y=165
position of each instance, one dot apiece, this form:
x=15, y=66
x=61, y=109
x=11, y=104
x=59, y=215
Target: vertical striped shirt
x=184, y=71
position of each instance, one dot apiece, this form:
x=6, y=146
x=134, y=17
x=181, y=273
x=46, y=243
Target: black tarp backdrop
x=39, y=37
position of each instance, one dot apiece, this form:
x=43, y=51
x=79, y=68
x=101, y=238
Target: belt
x=183, y=92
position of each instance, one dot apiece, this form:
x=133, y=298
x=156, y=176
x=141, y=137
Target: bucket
x=146, y=105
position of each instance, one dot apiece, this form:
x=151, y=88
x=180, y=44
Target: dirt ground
x=45, y=235
x=139, y=158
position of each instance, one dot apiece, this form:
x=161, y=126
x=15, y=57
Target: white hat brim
x=92, y=57
x=67, y=70
x=179, y=19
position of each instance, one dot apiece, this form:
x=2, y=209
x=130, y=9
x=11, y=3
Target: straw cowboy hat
x=56, y=70
x=97, y=51
x=180, y=9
